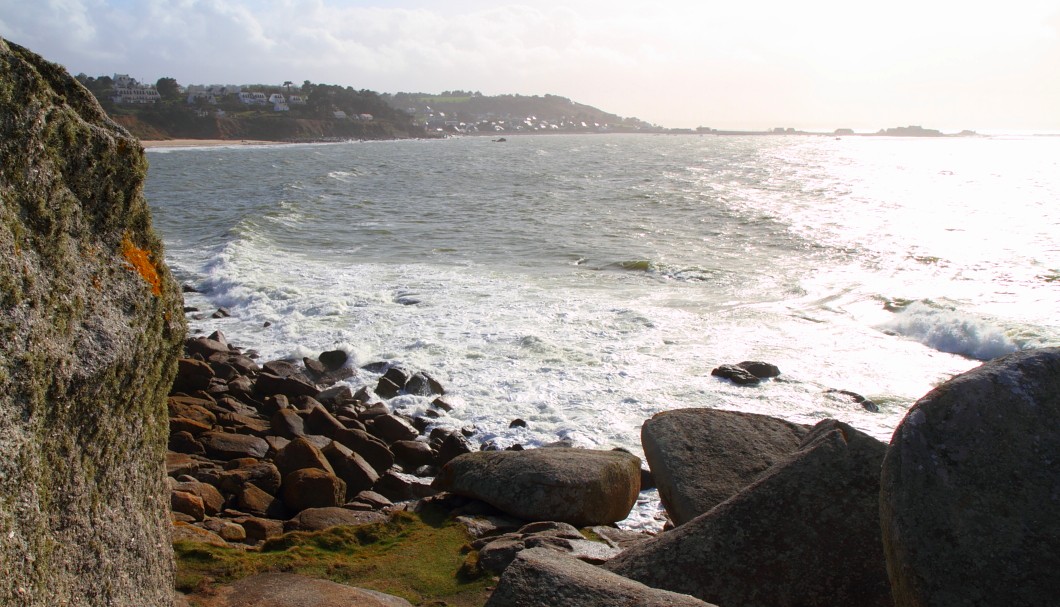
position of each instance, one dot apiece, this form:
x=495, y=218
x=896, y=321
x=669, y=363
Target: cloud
x=674, y=61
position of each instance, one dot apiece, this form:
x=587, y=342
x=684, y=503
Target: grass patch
x=418, y=558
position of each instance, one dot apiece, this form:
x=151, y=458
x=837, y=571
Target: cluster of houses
x=129, y=90
x=211, y=94
x=491, y=123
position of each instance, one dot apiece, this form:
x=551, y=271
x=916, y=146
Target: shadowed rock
x=702, y=457
x=540, y=577
x=290, y=590
x=805, y=534
x=970, y=489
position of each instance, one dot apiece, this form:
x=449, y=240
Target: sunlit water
x=584, y=283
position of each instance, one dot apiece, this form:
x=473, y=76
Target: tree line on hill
x=329, y=111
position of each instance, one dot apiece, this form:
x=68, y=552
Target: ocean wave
x=664, y=271
x=952, y=331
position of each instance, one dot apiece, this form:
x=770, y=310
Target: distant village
x=451, y=112
x=213, y=99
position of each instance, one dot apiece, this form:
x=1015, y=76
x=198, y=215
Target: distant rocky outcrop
x=804, y=534
x=576, y=486
x=702, y=457
x=90, y=327
x=970, y=489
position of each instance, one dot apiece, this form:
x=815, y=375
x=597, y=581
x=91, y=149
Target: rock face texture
x=970, y=488
x=806, y=533
x=576, y=486
x=540, y=577
x=701, y=457
x=290, y=590
x=90, y=326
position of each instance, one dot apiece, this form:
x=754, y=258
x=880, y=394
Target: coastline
x=187, y=143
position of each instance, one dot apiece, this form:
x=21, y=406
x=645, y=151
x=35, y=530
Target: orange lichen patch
x=140, y=260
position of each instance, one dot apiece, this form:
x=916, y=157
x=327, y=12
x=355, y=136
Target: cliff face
x=90, y=326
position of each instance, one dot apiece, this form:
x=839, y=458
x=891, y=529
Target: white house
x=252, y=98
x=296, y=100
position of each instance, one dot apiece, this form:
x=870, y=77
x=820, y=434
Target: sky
x=991, y=66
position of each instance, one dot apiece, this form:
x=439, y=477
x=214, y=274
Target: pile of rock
x=256, y=450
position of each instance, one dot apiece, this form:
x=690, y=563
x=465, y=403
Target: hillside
x=471, y=112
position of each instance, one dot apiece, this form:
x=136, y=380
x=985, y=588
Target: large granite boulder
x=702, y=457
x=541, y=577
x=970, y=491
x=576, y=486
x=806, y=533
x=91, y=324
x=291, y=590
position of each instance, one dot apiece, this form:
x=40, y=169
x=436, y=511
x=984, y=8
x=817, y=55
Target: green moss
x=417, y=558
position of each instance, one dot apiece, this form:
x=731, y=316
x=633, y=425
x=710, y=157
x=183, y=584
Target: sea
x=583, y=283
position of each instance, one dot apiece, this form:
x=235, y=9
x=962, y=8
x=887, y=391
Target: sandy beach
x=184, y=143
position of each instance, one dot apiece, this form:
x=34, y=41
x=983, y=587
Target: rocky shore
x=764, y=511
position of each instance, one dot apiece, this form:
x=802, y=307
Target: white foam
x=951, y=331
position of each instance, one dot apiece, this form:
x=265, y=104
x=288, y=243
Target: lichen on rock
x=90, y=327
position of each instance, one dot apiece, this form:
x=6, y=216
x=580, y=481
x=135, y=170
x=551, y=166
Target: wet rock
x=970, y=488
x=333, y=359
x=412, y=453
x=452, y=445
x=386, y=388
x=759, y=369
x=392, y=428
x=736, y=375
x=291, y=386
x=865, y=403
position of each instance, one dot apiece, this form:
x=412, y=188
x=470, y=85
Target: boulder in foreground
x=576, y=486
x=702, y=457
x=91, y=325
x=970, y=490
x=291, y=590
x=541, y=577
x=805, y=534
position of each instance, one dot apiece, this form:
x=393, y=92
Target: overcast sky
x=985, y=65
